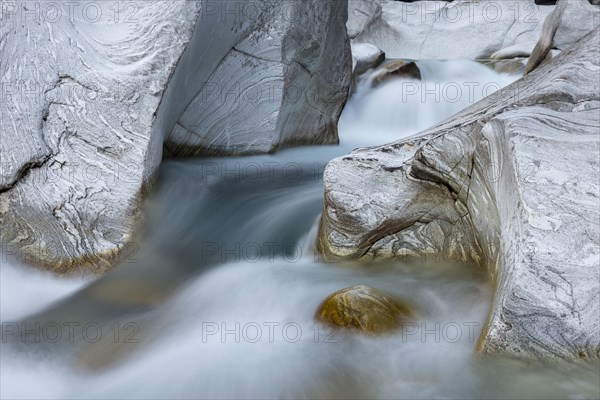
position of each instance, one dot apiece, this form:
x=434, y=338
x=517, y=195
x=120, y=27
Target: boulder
x=570, y=21
x=578, y=19
x=514, y=51
x=364, y=309
x=81, y=86
x=511, y=66
x=454, y=30
x=279, y=75
x=511, y=183
x=364, y=57
x=91, y=92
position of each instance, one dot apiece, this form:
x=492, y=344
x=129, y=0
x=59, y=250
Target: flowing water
x=218, y=299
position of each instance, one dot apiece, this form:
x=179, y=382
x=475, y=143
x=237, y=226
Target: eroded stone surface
x=361, y=14
x=79, y=140
x=454, y=30
x=395, y=69
x=276, y=76
x=511, y=183
x=87, y=104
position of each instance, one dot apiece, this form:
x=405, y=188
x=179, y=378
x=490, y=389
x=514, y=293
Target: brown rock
x=364, y=308
x=395, y=69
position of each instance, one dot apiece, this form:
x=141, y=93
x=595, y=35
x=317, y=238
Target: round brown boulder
x=365, y=309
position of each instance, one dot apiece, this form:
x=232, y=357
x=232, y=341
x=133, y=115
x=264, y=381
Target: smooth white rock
x=454, y=30
x=578, y=19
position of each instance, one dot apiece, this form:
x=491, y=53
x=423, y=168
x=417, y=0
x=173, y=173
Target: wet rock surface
x=365, y=309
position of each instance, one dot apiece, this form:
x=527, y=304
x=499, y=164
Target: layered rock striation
x=91, y=92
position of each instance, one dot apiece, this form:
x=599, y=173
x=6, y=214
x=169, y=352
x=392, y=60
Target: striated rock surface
x=81, y=85
x=365, y=309
x=91, y=91
x=511, y=183
x=278, y=74
x=453, y=30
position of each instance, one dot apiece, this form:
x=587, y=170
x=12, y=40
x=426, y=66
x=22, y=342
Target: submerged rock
x=364, y=308
x=87, y=104
x=511, y=183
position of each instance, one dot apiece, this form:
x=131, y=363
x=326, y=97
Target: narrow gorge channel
x=218, y=299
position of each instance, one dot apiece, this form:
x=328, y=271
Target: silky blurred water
x=218, y=298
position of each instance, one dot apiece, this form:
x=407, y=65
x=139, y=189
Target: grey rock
x=279, y=76
x=514, y=51
x=570, y=21
x=361, y=13
x=88, y=105
x=364, y=57
x=459, y=29
x=81, y=87
x=578, y=19
x=512, y=184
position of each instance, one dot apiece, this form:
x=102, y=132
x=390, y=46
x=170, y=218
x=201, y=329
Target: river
x=217, y=299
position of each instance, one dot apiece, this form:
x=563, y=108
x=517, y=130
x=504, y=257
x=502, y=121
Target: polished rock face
x=90, y=94
x=512, y=184
x=278, y=76
x=453, y=30
x=81, y=87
